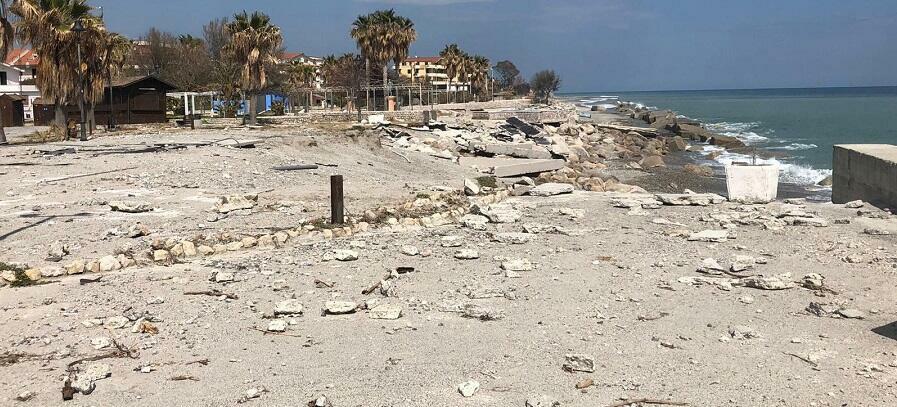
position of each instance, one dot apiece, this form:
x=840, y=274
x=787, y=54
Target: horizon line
x=732, y=89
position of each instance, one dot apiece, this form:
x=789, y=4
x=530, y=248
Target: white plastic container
x=752, y=183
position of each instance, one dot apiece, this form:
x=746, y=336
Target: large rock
x=699, y=170
x=551, y=189
x=519, y=150
x=726, y=141
x=652, y=161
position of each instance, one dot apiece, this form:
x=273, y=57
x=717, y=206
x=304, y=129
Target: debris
x=579, y=363
x=296, y=167
x=742, y=332
x=227, y=204
x=385, y=311
x=340, y=307
x=481, y=313
x=851, y=313
x=855, y=204
x=467, y=254
x=779, y=282
x=130, y=207
x=690, y=199
x=213, y=293
x=468, y=388
x=637, y=402
x=584, y=384
x=410, y=250
x=288, y=307
x=541, y=401
x=277, y=325
x=345, y=255
x=551, y=189
x=718, y=236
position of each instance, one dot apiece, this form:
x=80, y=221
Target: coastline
x=673, y=177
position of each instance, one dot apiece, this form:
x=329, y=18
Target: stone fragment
x=542, y=401
x=227, y=204
x=340, y=307
x=855, y=204
x=75, y=267
x=851, y=313
x=475, y=222
x=711, y=266
x=130, y=207
x=189, y=248
x=277, y=325
x=468, y=388
x=742, y=332
x=57, y=251
x=138, y=230
x=551, y=189
x=410, y=251
x=161, y=256
x=579, y=363
x=109, y=263
x=512, y=237
x=471, y=187
x=718, y=236
x=517, y=265
x=85, y=380
x=690, y=199
x=34, y=274
x=116, y=322
x=345, y=255
x=222, y=276
x=385, y=311
x=500, y=213
x=778, y=282
x=288, y=307
x=467, y=254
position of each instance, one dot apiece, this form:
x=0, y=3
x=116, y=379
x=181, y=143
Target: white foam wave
x=789, y=172
x=795, y=147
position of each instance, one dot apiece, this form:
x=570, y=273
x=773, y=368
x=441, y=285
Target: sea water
x=800, y=125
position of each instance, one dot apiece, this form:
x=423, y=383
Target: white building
x=17, y=76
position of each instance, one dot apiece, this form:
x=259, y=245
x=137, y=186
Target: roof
x=423, y=59
x=22, y=57
x=130, y=80
x=11, y=67
x=289, y=56
x=13, y=97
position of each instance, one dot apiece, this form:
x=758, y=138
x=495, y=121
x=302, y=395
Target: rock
x=475, y=222
x=826, y=182
x=822, y=310
x=57, y=251
x=161, y=256
x=345, y=255
x=227, y=204
x=517, y=265
x=779, y=282
x=85, y=380
x=699, y=170
x=500, y=213
x=711, y=266
x=471, y=187
x=288, y=307
x=189, y=248
x=579, y=363
x=813, y=281
x=222, y=277
x=726, y=142
x=742, y=263
x=584, y=384
x=676, y=144
x=25, y=395
x=718, y=236
x=467, y=254
x=855, y=204
x=138, y=230
x=468, y=388
x=100, y=343
x=876, y=232
x=385, y=311
x=109, y=263
x=116, y=322
x=452, y=241
x=205, y=250
x=277, y=325
x=92, y=267
x=410, y=250
x=851, y=313
x=340, y=307
x=690, y=199
x=53, y=271
x=742, y=332
x=551, y=189
x=75, y=267
x=542, y=401
x=746, y=299
x=652, y=161
x=130, y=207
x=512, y=238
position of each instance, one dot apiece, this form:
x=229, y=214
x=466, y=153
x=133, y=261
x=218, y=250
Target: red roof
x=423, y=59
x=22, y=57
x=289, y=56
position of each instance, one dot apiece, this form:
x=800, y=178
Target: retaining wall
x=867, y=172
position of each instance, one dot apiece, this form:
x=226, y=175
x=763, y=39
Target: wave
x=788, y=172
x=795, y=147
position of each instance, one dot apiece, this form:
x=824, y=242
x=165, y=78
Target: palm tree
x=255, y=43
x=363, y=34
x=6, y=39
x=383, y=36
x=450, y=58
x=114, y=51
x=481, y=67
x=301, y=76
x=47, y=26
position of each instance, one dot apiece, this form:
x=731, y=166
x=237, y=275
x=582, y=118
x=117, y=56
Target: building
x=12, y=110
x=17, y=75
x=136, y=99
x=428, y=70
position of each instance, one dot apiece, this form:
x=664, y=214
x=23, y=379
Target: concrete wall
x=405, y=116
x=532, y=116
x=867, y=172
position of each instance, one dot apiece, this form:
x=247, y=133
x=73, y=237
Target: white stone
x=517, y=265
x=385, y=311
x=288, y=307
x=551, y=189
x=719, y=236
x=345, y=255
x=410, y=250
x=109, y=263
x=277, y=325
x=469, y=388
x=340, y=307
x=467, y=254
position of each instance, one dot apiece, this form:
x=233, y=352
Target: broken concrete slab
x=511, y=167
x=551, y=189
x=519, y=150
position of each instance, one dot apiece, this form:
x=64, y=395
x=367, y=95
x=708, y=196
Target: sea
x=799, y=126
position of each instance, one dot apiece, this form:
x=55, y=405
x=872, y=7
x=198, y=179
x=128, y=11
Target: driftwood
x=213, y=293
x=376, y=285
x=648, y=401
x=296, y=167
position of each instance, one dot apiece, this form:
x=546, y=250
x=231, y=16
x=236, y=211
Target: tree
x=254, y=45
x=6, y=40
x=301, y=77
x=481, y=76
x=348, y=72
x=113, y=53
x=451, y=57
x=507, y=75
x=383, y=36
x=47, y=26
x=544, y=84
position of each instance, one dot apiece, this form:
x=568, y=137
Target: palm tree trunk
x=59, y=116
x=385, y=90
x=367, y=83
x=2, y=135
x=253, y=101
x=447, y=90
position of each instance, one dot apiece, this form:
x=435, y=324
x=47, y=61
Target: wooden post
x=336, y=200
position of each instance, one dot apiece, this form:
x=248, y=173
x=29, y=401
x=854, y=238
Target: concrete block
x=752, y=183
x=512, y=167
x=520, y=150
x=867, y=172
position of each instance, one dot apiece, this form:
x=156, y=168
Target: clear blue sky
x=596, y=45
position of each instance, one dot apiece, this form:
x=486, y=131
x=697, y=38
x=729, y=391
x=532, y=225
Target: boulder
x=652, y=161
x=699, y=170
x=727, y=142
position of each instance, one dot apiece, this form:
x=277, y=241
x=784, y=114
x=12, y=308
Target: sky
x=594, y=45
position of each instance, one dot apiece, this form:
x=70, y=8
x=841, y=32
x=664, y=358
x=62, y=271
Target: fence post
x=337, y=207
